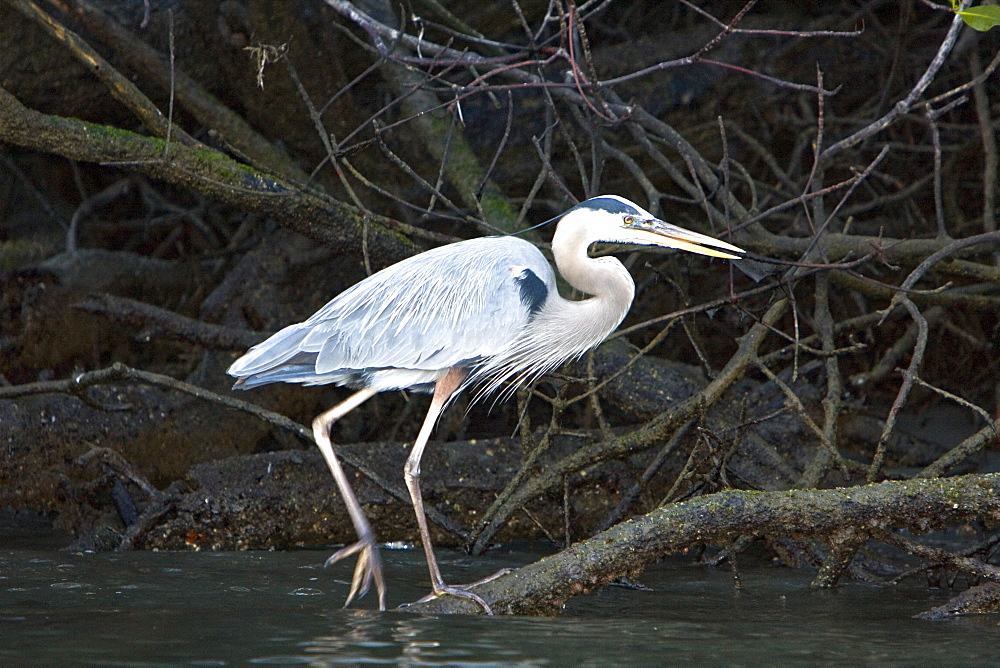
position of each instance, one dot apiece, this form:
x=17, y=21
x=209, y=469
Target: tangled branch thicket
x=851, y=148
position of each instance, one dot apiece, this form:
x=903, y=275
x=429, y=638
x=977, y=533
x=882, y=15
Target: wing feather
x=449, y=306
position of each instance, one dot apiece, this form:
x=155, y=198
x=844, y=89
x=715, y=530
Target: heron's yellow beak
x=671, y=236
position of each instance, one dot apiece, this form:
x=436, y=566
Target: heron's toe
x=367, y=570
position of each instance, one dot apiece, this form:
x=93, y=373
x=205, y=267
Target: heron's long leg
x=443, y=390
x=369, y=566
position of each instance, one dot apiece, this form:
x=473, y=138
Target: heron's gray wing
x=445, y=307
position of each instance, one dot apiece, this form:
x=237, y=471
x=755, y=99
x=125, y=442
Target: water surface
x=284, y=608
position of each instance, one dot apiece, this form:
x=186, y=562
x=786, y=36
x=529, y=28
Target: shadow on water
x=283, y=608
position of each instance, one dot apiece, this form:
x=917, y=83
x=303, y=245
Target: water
x=283, y=608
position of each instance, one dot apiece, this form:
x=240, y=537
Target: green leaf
x=981, y=18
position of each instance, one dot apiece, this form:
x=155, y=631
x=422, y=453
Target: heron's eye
x=629, y=220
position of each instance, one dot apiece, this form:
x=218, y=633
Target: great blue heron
x=477, y=313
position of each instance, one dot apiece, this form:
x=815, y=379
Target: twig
x=87, y=206
x=974, y=567
x=991, y=166
x=903, y=106
x=909, y=376
x=970, y=446
x=833, y=399
x=325, y=137
x=891, y=357
x=823, y=435
x=957, y=399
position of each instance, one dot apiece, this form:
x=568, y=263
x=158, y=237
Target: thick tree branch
x=119, y=86
x=173, y=324
x=624, y=550
x=191, y=96
x=211, y=173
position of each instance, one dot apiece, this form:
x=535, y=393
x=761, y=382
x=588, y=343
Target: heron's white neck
x=562, y=329
x=589, y=321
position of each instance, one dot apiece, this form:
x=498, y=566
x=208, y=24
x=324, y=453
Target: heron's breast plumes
x=560, y=331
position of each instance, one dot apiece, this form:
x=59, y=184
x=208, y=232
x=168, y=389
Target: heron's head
x=616, y=220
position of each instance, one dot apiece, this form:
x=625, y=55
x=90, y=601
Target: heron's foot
x=443, y=589
x=367, y=570
x=457, y=590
